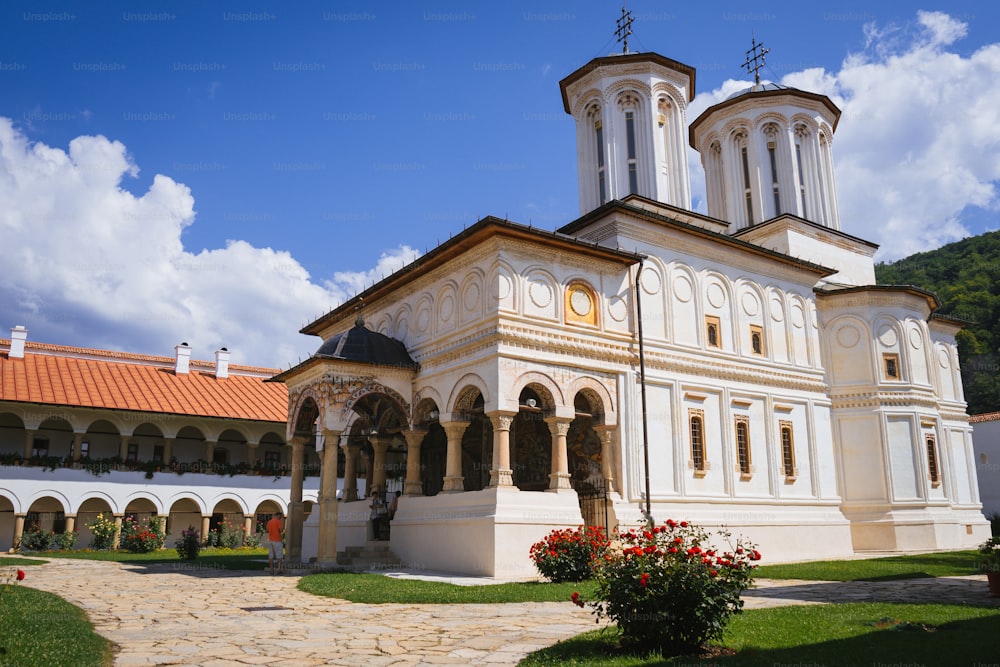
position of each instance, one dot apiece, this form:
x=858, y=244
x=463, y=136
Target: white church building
x=737, y=369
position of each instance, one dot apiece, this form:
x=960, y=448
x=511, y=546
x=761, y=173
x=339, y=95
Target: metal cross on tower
x=624, y=28
x=755, y=54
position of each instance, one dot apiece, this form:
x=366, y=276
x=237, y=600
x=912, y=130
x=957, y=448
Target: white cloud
x=918, y=142
x=88, y=263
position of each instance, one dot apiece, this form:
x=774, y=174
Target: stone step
x=369, y=557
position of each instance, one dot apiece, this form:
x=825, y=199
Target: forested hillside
x=966, y=278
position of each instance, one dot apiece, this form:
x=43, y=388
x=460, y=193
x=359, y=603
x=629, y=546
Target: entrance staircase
x=368, y=557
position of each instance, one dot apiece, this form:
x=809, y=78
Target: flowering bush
x=36, y=539
x=227, y=536
x=140, y=539
x=65, y=540
x=255, y=540
x=103, y=531
x=11, y=577
x=989, y=555
x=189, y=545
x=669, y=589
x=569, y=555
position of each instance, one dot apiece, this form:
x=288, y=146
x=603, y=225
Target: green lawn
x=223, y=559
x=944, y=564
x=379, y=589
x=18, y=561
x=833, y=635
x=39, y=629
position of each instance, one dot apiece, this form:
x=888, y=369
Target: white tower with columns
x=630, y=112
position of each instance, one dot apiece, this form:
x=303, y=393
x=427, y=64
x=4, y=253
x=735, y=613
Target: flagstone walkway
x=202, y=617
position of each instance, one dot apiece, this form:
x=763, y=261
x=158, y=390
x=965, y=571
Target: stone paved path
x=182, y=615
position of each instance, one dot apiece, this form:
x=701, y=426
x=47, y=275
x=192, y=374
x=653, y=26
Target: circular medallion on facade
x=682, y=288
x=848, y=335
x=617, y=309
x=798, y=316
x=423, y=318
x=540, y=292
x=777, y=310
x=916, y=340
x=750, y=303
x=650, y=281
x=580, y=301
x=887, y=336
x=402, y=328
x=716, y=295
x=503, y=286
x=447, y=308
x=471, y=297
x=943, y=359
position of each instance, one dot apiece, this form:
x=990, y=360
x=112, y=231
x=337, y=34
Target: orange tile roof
x=986, y=417
x=81, y=377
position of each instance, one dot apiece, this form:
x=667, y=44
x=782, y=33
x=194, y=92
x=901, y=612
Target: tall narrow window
x=756, y=340
x=84, y=449
x=40, y=447
x=601, y=186
x=933, y=471
x=802, y=179
x=633, y=176
x=890, y=363
x=772, y=154
x=787, y=450
x=743, y=446
x=133, y=452
x=158, y=453
x=697, y=431
x=746, y=184
x=713, y=336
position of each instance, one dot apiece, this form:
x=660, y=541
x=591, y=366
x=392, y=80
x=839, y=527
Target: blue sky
x=255, y=163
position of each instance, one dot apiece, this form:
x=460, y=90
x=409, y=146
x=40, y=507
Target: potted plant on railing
x=989, y=563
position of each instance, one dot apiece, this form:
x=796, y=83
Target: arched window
x=713, y=335
x=594, y=118
x=756, y=340
x=771, y=132
x=628, y=103
x=801, y=136
x=743, y=446
x=743, y=150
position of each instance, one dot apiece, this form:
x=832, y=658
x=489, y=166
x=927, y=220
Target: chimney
x=17, y=337
x=222, y=363
x=183, y=358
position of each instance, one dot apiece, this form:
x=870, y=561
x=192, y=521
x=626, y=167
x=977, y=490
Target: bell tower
x=631, y=123
x=766, y=152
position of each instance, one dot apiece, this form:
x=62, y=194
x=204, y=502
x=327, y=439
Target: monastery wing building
x=742, y=368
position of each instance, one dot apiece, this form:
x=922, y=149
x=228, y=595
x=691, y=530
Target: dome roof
x=361, y=345
x=759, y=88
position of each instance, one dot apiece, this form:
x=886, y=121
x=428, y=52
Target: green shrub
x=669, y=590
x=140, y=539
x=65, y=540
x=569, y=555
x=36, y=539
x=103, y=531
x=189, y=545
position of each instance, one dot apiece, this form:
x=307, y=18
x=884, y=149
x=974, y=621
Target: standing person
x=275, y=548
x=394, y=505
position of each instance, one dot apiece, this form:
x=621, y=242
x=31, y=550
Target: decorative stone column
x=380, y=445
x=209, y=451
x=118, y=530
x=123, y=446
x=168, y=450
x=453, y=481
x=29, y=442
x=248, y=525
x=77, y=445
x=161, y=520
x=206, y=525
x=251, y=454
x=18, y=529
x=414, y=439
x=607, y=434
x=328, y=508
x=293, y=530
x=559, y=477
x=351, y=453
x=70, y=523
x=500, y=473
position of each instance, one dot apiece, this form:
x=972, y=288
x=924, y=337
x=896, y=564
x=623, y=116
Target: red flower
x=20, y=575
x=672, y=550
x=756, y=555
x=684, y=524
x=644, y=579
x=576, y=599
x=650, y=549
x=713, y=573
x=678, y=540
x=671, y=523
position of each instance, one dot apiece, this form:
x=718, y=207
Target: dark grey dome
x=361, y=345
x=759, y=88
